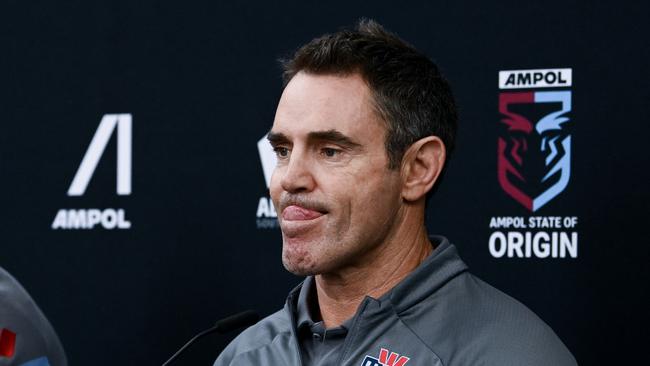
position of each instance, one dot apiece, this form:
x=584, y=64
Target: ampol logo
x=386, y=358
x=534, y=148
x=109, y=218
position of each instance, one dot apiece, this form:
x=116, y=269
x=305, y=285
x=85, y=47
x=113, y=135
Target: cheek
x=274, y=185
x=377, y=194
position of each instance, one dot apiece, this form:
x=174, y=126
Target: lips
x=297, y=213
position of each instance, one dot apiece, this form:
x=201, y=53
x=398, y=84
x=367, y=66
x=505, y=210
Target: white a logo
x=96, y=149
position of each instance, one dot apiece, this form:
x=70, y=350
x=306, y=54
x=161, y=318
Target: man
x=362, y=132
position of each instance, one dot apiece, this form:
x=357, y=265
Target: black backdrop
x=201, y=82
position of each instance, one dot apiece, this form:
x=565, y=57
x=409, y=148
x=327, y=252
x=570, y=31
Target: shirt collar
x=307, y=311
x=306, y=298
x=438, y=268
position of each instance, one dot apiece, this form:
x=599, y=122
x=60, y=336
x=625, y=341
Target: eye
x=281, y=151
x=330, y=152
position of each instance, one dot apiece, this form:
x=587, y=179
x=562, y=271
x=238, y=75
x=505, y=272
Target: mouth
x=299, y=213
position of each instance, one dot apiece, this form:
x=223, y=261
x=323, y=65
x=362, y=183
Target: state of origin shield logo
x=534, y=145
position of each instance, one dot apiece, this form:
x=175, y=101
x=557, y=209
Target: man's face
x=336, y=198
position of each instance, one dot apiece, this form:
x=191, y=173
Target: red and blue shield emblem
x=534, y=146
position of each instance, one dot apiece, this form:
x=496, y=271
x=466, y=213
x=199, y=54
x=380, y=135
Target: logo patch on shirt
x=8, y=349
x=7, y=342
x=386, y=358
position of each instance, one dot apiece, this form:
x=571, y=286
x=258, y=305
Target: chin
x=299, y=269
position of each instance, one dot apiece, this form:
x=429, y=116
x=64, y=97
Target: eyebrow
x=276, y=138
x=332, y=136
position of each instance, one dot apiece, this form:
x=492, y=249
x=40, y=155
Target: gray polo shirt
x=318, y=345
x=439, y=315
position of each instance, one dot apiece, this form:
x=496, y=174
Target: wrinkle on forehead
x=326, y=102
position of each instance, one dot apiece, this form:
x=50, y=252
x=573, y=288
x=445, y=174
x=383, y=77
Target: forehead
x=327, y=102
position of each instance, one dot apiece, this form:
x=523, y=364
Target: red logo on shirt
x=7, y=342
x=386, y=358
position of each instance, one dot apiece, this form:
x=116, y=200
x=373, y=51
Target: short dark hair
x=409, y=92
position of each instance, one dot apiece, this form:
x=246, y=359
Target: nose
x=296, y=176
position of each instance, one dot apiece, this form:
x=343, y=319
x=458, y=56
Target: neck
x=340, y=293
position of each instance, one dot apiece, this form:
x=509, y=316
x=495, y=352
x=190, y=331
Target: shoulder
x=478, y=324
x=260, y=335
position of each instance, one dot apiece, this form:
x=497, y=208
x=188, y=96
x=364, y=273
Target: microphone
x=225, y=325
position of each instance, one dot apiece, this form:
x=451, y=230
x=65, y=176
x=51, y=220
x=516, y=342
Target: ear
x=422, y=163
